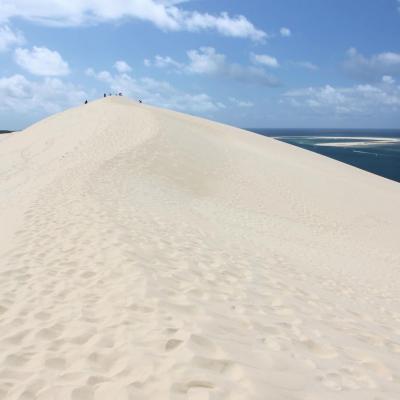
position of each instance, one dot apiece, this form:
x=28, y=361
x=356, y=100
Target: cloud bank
x=371, y=68
x=166, y=15
x=21, y=95
x=207, y=61
x=363, y=99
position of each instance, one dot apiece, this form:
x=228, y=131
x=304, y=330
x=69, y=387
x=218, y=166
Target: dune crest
x=147, y=254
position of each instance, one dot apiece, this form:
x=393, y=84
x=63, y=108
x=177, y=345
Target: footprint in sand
x=172, y=344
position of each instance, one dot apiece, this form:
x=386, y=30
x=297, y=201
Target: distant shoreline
x=348, y=146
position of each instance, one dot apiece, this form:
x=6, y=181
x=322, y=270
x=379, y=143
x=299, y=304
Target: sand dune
x=147, y=254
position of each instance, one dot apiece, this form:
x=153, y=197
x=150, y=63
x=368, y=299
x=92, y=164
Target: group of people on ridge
x=116, y=94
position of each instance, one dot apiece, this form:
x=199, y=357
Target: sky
x=248, y=63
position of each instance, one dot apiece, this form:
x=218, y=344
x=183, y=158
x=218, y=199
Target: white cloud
x=372, y=68
x=21, y=95
x=306, y=65
x=157, y=92
x=166, y=15
x=163, y=62
x=285, y=32
x=206, y=61
x=10, y=38
x=264, y=59
x=221, y=105
x=90, y=72
x=241, y=103
x=41, y=61
x=388, y=79
x=359, y=99
x=237, y=26
x=122, y=66
x=389, y=59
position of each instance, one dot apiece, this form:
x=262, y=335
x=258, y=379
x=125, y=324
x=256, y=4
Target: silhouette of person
x=105, y=95
x=140, y=101
x=85, y=101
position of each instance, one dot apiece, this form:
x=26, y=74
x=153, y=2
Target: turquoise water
x=371, y=150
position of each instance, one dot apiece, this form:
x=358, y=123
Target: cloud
x=388, y=79
x=359, y=99
x=241, y=103
x=307, y=65
x=156, y=92
x=166, y=15
x=285, y=32
x=122, y=66
x=206, y=61
x=264, y=59
x=41, y=61
x=10, y=38
x=163, y=62
x=372, y=68
x=21, y=95
x=237, y=26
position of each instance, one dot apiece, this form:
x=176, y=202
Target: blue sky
x=258, y=63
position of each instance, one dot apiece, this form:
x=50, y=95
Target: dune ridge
x=148, y=254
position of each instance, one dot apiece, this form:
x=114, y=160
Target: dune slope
x=147, y=254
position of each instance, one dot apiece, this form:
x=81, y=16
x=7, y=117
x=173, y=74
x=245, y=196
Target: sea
x=373, y=150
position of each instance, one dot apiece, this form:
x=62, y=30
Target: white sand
x=365, y=142
x=146, y=254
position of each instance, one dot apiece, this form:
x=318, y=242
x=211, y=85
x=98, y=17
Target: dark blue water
x=376, y=151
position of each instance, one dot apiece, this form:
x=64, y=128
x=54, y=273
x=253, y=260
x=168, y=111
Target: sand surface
x=146, y=254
